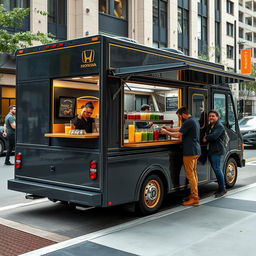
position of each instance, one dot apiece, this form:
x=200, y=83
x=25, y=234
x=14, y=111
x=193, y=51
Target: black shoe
x=221, y=193
x=8, y=163
x=216, y=192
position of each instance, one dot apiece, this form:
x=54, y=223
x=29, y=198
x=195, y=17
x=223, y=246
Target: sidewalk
x=224, y=226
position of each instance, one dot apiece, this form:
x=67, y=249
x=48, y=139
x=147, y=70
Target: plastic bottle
x=131, y=133
x=156, y=134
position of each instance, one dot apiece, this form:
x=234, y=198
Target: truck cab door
x=198, y=105
x=223, y=103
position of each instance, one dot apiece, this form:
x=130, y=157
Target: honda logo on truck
x=88, y=59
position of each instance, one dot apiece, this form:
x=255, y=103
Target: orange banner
x=246, y=63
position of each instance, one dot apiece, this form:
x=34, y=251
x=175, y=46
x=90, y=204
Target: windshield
x=248, y=121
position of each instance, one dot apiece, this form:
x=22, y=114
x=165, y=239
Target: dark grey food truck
x=124, y=159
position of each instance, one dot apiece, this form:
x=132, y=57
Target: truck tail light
x=18, y=160
x=93, y=170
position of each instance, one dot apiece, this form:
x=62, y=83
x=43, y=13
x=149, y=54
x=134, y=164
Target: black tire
x=230, y=173
x=151, y=195
x=1, y=147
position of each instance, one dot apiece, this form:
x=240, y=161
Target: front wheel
x=230, y=173
x=151, y=195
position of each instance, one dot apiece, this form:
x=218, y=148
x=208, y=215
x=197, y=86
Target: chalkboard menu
x=171, y=103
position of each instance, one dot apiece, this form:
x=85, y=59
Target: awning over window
x=149, y=69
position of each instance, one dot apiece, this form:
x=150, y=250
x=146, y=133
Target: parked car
x=247, y=127
x=3, y=141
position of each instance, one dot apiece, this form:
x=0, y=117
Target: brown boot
x=192, y=202
x=187, y=198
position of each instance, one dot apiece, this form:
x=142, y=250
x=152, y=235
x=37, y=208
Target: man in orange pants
x=190, y=134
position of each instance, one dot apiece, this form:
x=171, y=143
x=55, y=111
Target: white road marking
x=251, y=163
x=13, y=206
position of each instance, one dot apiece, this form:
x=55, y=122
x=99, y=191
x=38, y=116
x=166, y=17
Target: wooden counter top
x=63, y=135
x=153, y=143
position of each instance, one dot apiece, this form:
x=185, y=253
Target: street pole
x=235, y=48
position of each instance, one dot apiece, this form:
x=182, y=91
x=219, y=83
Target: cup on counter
x=67, y=128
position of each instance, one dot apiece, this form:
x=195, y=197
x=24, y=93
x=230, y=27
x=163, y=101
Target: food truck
x=123, y=161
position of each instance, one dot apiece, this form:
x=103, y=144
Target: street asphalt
x=224, y=226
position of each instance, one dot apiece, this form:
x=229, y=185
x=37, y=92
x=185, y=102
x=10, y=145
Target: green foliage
x=251, y=86
x=10, y=42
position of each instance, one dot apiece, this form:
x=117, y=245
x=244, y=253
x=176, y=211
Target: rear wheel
x=230, y=174
x=151, y=195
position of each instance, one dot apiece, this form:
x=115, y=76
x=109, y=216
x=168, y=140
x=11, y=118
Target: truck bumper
x=59, y=193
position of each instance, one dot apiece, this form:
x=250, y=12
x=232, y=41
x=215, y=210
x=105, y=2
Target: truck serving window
x=75, y=107
x=146, y=109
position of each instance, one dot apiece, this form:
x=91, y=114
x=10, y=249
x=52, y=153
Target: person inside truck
x=84, y=121
x=144, y=125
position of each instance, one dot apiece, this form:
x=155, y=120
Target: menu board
x=172, y=103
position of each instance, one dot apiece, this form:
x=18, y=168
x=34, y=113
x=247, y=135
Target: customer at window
x=84, y=121
x=190, y=134
x=215, y=137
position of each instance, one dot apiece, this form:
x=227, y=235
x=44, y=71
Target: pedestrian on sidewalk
x=9, y=132
x=215, y=137
x=190, y=134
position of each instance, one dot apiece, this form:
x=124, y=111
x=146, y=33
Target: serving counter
x=64, y=135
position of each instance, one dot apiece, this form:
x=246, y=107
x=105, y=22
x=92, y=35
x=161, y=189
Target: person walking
x=9, y=132
x=190, y=134
x=215, y=137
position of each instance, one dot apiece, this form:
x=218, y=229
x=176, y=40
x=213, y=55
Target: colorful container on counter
x=144, y=136
x=138, y=136
x=150, y=135
x=137, y=116
x=131, y=133
x=156, y=134
x=144, y=116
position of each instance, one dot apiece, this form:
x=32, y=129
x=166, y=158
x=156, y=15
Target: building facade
x=247, y=40
x=199, y=28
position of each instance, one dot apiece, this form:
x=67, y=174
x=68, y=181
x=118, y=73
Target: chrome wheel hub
x=151, y=192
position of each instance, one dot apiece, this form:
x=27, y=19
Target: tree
x=250, y=87
x=10, y=42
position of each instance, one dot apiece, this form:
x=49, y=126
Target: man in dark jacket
x=215, y=137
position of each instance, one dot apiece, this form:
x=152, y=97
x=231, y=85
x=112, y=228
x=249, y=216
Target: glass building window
x=217, y=42
x=113, y=17
x=230, y=29
x=57, y=18
x=116, y=8
x=230, y=7
x=230, y=52
x=183, y=27
x=241, y=16
x=160, y=23
x=202, y=27
x=241, y=33
x=9, y=5
x=217, y=6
